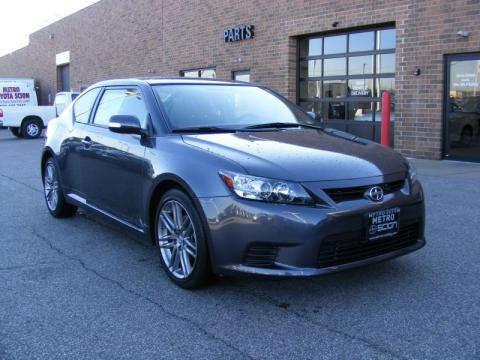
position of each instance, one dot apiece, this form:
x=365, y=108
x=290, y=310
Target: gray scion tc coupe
x=228, y=177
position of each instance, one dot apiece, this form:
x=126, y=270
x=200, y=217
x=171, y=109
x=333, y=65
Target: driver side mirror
x=126, y=124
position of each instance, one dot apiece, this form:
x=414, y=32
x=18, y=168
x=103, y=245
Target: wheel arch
x=32, y=117
x=164, y=183
x=47, y=153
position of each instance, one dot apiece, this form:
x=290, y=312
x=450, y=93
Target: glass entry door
x=462, y=108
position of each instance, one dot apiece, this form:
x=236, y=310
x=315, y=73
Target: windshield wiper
x=203, y=129
x=279, y=125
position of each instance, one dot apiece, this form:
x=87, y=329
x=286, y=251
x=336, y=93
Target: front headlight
x=412, y=172
x=269, y=190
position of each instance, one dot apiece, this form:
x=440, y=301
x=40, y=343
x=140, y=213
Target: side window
x=83, y=106
x=126, y=101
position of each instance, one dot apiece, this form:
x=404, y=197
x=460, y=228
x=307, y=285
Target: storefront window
x=360, y=65
x=360, y=88
x=363, y=41
x=360, y=111
x=334, y=110
x=335, y=44
x=386, y=39
x=334, y=88
x=334, y=67
x=315, y=68
x=342, y=77
x=315, y=47
x=310, y=89
x=385, y=84
x=385, y=63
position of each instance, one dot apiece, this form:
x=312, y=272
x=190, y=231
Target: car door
x=116, y=166
x=73, y=152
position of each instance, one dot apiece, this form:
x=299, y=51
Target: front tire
x=54, y=197
x=181, y=241
x=32, y=128
x=16, y=132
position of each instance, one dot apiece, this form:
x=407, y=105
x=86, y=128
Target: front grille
x=345, y=248
x=260, y=255
x=354, y=193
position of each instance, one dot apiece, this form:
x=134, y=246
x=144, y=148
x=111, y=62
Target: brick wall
x=121, y=38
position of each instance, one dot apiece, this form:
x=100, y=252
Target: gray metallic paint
x=117, y=174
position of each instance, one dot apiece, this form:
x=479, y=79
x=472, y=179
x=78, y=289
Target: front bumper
x=285, y=240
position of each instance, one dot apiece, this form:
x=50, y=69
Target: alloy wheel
x=177, y=239
x=51, y=187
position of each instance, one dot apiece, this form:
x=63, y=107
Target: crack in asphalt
x=271, y=301
x=139, y=295
x=20, y=182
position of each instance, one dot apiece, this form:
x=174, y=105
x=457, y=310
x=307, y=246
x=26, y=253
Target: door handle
x=87, y=141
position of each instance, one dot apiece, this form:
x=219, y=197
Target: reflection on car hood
x=302, y=155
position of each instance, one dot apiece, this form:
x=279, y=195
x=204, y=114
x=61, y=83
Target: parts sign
x=238, y=33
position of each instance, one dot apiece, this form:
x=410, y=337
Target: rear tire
x=181, y=241
x=32, y=128
x=54, y=197
x=16, y=132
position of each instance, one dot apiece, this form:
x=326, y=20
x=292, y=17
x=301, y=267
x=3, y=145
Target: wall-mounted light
x=417, y=72
x=51, y=35
x=151, y=71
x=335, y=24
x=463, y=33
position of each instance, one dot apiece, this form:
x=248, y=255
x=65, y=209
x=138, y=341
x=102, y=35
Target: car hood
x=302, y=155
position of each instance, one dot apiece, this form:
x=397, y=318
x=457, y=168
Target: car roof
x=170, y=80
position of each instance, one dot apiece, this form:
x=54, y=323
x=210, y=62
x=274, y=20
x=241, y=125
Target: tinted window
x=361, y=41
x=84, y=104
x=315, y=68
x=224, y=106
x=120, y=102
x=315, y=47
x=385, y=84
x=386, y=39
x=386, y=63
x=360, y=65
x=335, y=44
x=339, y=75
x=360, y=87
x=334, y=67
x=334, y=88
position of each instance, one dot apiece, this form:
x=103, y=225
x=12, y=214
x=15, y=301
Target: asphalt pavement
x=81, y=288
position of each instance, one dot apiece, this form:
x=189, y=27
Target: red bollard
x=385, y=127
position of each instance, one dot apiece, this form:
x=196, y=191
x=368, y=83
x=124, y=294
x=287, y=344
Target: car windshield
x=225, y=106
